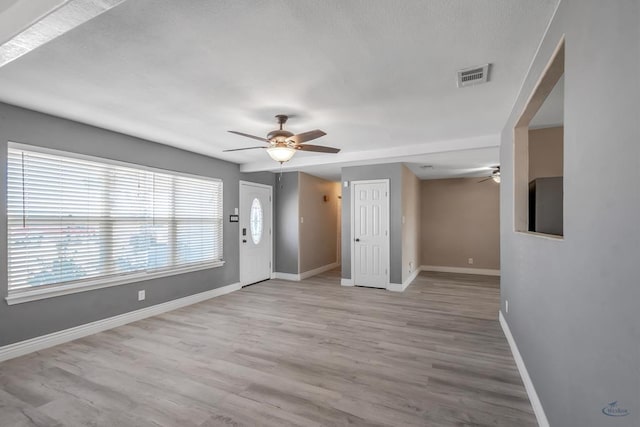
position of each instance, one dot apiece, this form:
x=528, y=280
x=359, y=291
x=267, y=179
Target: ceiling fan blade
x=306, y=136
x=486, y=179
x=259, y=138
x=318, y=148
x=240, y=149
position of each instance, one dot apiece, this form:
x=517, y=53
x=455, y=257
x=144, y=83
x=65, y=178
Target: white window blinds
x=73, y=219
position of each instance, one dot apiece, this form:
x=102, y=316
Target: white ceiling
x=461, y=164
x=551, y=113
x=377, y=75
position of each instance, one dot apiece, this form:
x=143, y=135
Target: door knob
x=244, y=241
x=357, y=240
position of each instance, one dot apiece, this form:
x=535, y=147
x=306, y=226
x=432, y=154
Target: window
x=74, y=220
x=256, y=221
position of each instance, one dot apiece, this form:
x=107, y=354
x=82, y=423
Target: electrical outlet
x=470, y=261
x=346, y=184
x=506, y=305
x=301, y=220
x=141, y=295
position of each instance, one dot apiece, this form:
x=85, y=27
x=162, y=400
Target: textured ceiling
x=376, y=75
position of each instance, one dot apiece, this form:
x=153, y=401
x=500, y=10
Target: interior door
x=255, y=232
x=370, y=232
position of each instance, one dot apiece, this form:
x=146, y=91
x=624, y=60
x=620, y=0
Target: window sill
x=23, y=296
x=546, y=236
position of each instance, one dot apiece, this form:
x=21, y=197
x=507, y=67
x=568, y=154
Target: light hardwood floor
x=284, y=353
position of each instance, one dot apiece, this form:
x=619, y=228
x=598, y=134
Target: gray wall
x=573, y=303
x=31, y=319
x=287, y=223
x=266, y=178
x=393, y=172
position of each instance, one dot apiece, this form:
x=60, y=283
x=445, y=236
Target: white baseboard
x=400, y=287
x=461, y=270
x=316, y=271
x=305, y=274
x=40, y=343
x=395, y=287
x=524, y=374
x=346, y=282
x=287, y=276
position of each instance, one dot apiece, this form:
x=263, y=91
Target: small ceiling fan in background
x=282, y=144
x=495, y=175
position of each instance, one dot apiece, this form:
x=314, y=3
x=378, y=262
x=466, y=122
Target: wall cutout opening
x=539, y=155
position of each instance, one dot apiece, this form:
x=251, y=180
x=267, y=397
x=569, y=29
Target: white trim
x=461, y=270
x=316, y=271
x=524, y=374
x=287, y=276
x=255, y=184
x=39, y=343
x=19, y=297
x=346, y=282
x=352, y=247
x=400, y=287
x=395, y=287
x=270, y=188
x=306, y=274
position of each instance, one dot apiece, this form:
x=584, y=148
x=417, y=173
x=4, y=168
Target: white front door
x=370, y=233
x=255, y=232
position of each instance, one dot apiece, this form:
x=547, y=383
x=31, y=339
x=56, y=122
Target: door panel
x=255, y=233
x=371, y=234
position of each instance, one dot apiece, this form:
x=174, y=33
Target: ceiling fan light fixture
x=284, y=144
x=495, y=175
x=281, y=153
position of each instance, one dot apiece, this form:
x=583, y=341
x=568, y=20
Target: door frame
x=270, y=188
x=352, y=226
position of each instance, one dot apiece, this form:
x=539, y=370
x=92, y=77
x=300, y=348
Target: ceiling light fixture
x=284, y=144
x=281, y=153
x=495, y=175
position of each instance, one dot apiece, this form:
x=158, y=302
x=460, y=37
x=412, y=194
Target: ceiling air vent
x=473, y=76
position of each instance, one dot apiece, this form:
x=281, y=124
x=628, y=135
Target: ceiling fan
x=495, y=175
x=282, y=144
